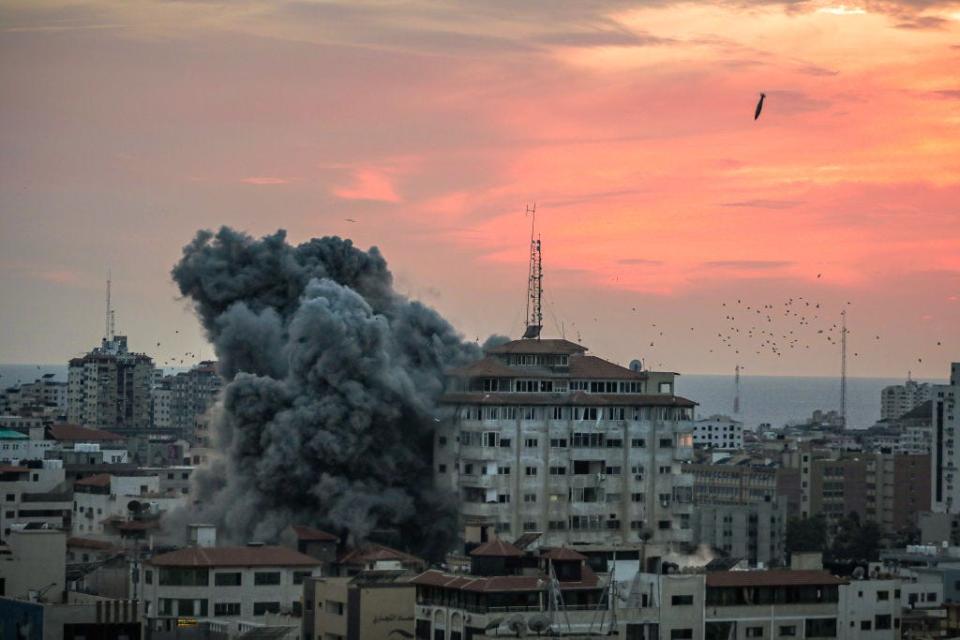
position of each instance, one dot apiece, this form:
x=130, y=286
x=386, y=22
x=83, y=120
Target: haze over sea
x=773, y=399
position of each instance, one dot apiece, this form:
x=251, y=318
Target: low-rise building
x=222, y=584
x=718, y=432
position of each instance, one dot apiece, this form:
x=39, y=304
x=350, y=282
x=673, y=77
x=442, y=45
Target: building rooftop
x=10, y=434
x=772, y=578
x=499, y=584
x=496, y=548
x=266, y=556
x=373, y=552
x=563, y=553
x=313, y=535
x=6, y=468
x=75, y=433
x=98, y=480
x=539, y=346
x=89, y=543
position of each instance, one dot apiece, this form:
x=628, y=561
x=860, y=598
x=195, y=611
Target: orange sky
x=125, y=126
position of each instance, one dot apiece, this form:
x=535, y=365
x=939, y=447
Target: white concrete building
x=899, y=399
x=109, y=388
x=34, y=494
x=99, y=497
x=718, y=432
x=945, y=453
x=222, y=584
x=541, y=437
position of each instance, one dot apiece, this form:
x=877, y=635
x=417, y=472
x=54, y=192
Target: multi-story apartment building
x=178, y=400
x=945, y=454
x=541, y=437
x=754, y=532
x=43, y=397
x=718, y=432
x=99, y=497
x=34, y=492
x=898, y=399
x=109, y=388
x=222, y=583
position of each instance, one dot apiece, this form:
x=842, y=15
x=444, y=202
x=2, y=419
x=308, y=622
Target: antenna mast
x=736, y=384
x=108, y=321
x=843, y=368
x=534, y=281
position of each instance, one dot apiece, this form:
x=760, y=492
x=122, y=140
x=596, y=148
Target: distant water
x=772, y=399
x=781, y=399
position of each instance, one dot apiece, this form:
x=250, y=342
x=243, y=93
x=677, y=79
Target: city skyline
x=129, y=126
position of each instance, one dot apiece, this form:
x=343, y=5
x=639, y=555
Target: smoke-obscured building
x=109, y=388
x=541, y=437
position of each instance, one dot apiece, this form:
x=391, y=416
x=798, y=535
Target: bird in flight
x=756, y=114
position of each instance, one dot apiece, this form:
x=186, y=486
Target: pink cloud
x=368, y=184
x=265, y=180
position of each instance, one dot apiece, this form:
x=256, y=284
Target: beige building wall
x=36, y=560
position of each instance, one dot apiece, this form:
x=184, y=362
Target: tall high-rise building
x=109, y=388
x=945, y=453
x=899, y=399
x=179, y=399
x=541, y=437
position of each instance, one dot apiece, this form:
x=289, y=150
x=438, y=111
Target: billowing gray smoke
x=329, y=405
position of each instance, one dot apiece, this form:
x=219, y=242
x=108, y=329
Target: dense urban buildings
x=899, y=399
x=718, y=432
x=109, y=388
x=542, y=437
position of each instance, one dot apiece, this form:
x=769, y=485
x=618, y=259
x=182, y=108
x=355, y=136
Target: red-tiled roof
x=89, y=543
x=539, y=346
x=578, y=398
x=598, y=368
x=97, y=480
x=772, y=578
x=496, y=548
x=372, y=552
x=267, y=556
x=6, y=468
x=76, y=433
x=138, y=525
x=313, y=535
x=563, y=553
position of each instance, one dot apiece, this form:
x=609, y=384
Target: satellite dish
x=538, y=623
x=517, y=624
x=134, y=506
x=858, y=573
x=636, y=365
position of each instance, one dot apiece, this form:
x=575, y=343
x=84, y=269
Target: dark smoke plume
x=331, y=382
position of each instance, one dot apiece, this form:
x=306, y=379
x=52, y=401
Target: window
x=666, y=443
x=442, y=468
x=530, y=526
x=262, y=608
x=931, y=597
x=191, y=607
x=820, y=628
x=557, y=525
x=334, y=607
x=754, y=632
x=529, y=497
x=184, y=577
x=300, y=576
x=681, y=600
x=636, y=497
x=681, y=634
x=865, y=625
x=503, y=471
x=148, y=576
x=788, y=631
x=638, y=443
x=882, y=622
x=663, y=524
x=232, y=579
x=558, y=471
x=226, y=609
x=558, y=443
x=503, y=497
x=491, y=439
x=531, y=471
x=531, y=443
x=261, y=578
x=612, y=471
x=883, y=595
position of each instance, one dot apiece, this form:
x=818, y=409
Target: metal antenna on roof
x=736, y=384
x=534, y=281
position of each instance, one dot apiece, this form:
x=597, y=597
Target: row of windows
x=477, y=412
x=579, y=440
x=200, y=577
